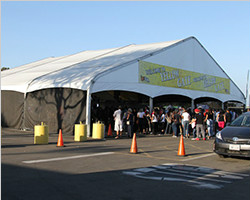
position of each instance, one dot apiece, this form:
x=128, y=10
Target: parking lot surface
x=105, y=169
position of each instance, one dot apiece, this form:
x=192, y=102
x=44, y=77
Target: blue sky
x=31, y=31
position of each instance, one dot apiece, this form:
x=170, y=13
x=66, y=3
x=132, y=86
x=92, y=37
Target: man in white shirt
x=118, y=122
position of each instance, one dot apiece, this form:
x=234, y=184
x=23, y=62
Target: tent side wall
x=12, y=109
x=59, y=108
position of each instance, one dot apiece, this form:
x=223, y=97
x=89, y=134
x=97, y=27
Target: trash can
x=98, y=131
x=80, y=132
x=41, y=134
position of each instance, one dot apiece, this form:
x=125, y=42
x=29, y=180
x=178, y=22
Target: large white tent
x=181, y=67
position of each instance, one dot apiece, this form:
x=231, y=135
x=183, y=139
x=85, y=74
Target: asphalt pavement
x=105, y=169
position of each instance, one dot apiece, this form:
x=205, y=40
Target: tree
x=4, y=68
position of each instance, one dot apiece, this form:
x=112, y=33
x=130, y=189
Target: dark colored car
x=234, y=140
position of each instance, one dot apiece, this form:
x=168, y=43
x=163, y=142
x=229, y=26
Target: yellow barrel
x=41, y=134
x=80, y=132
x=98, y=131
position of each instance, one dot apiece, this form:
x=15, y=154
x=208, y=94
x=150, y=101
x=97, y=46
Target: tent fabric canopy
x=74, y=71
x=117, y=69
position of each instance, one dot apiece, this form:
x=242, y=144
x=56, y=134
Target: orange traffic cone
x=110, y=131
x=60, y=139
x=181, y=150
x=133, y=148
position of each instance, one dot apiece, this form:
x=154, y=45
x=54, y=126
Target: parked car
x=234, y=140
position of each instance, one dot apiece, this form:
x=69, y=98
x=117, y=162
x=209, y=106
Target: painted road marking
x=195, y=176
x=191, y=176
x=67, y=158
x=208, y=175
x=198, y=157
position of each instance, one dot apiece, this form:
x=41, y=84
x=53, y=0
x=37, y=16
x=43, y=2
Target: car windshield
x=243, y=120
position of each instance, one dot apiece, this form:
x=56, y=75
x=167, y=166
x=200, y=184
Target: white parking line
x=198, y=157
x=67, y=158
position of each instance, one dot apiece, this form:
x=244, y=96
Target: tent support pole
x=222, y=106
x=88, y=112
x=151, y=104
x=192, y=104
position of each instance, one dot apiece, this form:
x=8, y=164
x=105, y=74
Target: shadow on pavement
x=20, y=182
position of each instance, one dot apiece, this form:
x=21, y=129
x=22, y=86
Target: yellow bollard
x=98, y=131
x=41, y=134
x=80, y=132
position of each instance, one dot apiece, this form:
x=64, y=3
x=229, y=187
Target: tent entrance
x=174, y=100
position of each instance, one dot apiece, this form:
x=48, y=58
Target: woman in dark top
x=221, y=120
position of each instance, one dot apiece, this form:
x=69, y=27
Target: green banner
x=154, y=74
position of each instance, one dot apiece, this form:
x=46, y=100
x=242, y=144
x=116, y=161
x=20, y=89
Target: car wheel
x=223, y=156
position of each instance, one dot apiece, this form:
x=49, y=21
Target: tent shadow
x=15, y=145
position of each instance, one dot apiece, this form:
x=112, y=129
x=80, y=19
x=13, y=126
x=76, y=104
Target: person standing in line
x=118, y=122
x=216, y=120
x=221, y=120
x=135, y=124
x=176, y=123
x=209, y=120
x=154, y=120
x=148, y=126
x=123, y=117
x=141, y=116
x=233, y=115
x=129, y=122
x=193, y=123
x=162, y=123
x=199, y=119
x=185, y=121
x=169, y=122
x=228, y=117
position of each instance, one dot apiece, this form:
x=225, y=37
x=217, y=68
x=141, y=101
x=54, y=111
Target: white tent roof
x=85, y=69
x=74, y=71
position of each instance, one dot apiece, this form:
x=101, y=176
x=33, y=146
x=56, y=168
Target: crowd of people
x=198, y=124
